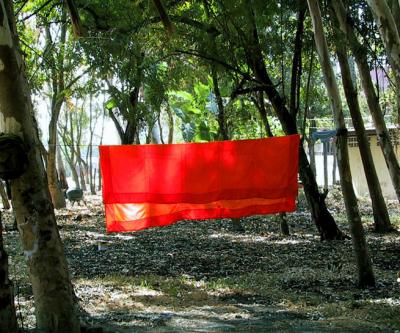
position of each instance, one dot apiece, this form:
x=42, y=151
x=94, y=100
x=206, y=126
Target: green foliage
x=127, y=48
x=196, y=111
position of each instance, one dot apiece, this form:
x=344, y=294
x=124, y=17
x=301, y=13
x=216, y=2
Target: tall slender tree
x=365, y=273
x=322, y=217
x=360, y=54
x=381, y=216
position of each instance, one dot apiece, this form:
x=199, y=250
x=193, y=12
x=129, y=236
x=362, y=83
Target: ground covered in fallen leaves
x=201, y=276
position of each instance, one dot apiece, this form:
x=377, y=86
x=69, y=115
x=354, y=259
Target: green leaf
x=179, y=112
x=111, y=104
x=188, y=131
x=211, y=104
x=183, y=95
x=193, y=110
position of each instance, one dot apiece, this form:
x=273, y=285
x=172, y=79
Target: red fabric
x=154, y=185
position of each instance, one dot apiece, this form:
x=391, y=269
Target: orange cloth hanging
x=154, y=185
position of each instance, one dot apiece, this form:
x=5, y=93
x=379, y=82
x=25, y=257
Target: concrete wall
x=357, y=170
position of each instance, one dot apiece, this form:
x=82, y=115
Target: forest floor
x=201, y=276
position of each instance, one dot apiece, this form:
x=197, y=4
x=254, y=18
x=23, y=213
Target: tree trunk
x=4, y=197
x=365, y=273
x=48, y=269
x=82, y=177
x=260, y=105
x=62, y=175
x=334, y=166
x=284, y=224
x=57, y=197
x=57, y=72
x=389, y=32
x=360, y=53
x=170, y=125
x=321, y=216
x=75, y=175
x=99, y=186
x=296, y=63
x=8, y=317
x=311, y=152
x=325, y=153
x=381, y=216
x=311, y=146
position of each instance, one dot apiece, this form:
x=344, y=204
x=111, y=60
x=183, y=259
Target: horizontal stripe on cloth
x=138, y=216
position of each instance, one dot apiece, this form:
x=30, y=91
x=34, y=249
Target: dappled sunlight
x=387, y=301
x=256, y=239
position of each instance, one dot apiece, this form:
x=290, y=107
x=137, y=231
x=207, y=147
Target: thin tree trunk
x=221, y=110
x=82, y=177
x=61, y=170
x=334, y=166
x=296, y=63
x=388, y=31
x=311, y=146
x=48, y=269
x=284, y=226
x=58, y=85
x=8, y=317
x=365, y=273
x=360, y=53
x=99, y=186
x=311, y=152
x=325, y=153
x=322, y=218
x=4, y=197
x=101, y=142
x=385, y=18
x=260, y=105
x=170, y=125
x=381, y=216
x=75, y=175
x=160, y=129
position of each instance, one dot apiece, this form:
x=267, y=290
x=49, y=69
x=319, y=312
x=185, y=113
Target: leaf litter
x=201, y=276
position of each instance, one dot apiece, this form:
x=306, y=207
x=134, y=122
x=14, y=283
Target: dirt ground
x=200, y=276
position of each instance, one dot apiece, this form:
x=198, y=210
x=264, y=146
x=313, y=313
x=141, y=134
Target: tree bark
x=325, y=153
x=48, y=270
x=62, y=175
x=221, y=110
x=388, y=31
x=311, y=152
x=334, y=166
x=260, y=105
x=322, y=218
x=8, y=317
x=365, y=273
x=388, y=28
x=296, y=63
x=360, y=53
x=381, y=216
x=57, y=100
x=4, y=197
x=170, y=125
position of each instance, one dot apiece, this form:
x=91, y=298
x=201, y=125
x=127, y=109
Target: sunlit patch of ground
x=200, y=276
